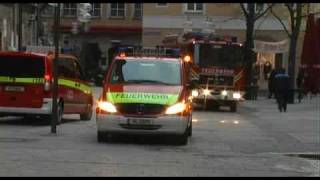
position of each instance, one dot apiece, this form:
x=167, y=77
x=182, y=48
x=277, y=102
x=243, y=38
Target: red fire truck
x=217, y=63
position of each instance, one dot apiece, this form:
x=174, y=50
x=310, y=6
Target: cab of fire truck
x=146, y=92
x=217, y=64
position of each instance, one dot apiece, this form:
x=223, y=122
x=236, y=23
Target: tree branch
x=244, y=10
x=281, y=22
x=263, y=12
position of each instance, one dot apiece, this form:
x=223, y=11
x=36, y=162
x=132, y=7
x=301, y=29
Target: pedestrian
x=282, y=87
x=299, y=82
x=271, y=83
x=267, y=69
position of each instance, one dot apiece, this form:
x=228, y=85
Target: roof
x=14, y=53
x=148, y=58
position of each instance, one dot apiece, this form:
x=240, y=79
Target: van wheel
x=182, y=139
x=190, y=128
x=59, y=113
x=88, y=115
x=233, y=107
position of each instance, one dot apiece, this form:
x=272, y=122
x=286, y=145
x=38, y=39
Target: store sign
x=270, y=47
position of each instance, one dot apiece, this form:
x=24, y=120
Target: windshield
x=146, y=71
x=20, y=66
x=220, y=55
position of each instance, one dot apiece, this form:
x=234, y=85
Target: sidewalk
x=299, y=127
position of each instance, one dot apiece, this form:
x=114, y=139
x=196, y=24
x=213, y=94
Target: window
x=146, y=72
x=96, y=9
x=194, y=7
x=48, y=11
x=117, y=10
x=22, y=66
x=69, y=9
x=162, y=5
x=137, y=10
x=66, y=68
x=259, y=7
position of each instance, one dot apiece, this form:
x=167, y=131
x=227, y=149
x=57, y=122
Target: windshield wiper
x=147, y=81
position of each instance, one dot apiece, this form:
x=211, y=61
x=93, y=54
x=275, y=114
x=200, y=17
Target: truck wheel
x=233, y=107
x=88, y=115
x=59, y=113
x=102, y=137
x=190, y=130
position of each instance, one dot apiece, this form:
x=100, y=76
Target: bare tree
x=295, y=15
x=252, y=13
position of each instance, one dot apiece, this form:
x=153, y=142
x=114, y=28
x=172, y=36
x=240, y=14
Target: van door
x=83, y=90
x=67, y=85
x=21, y=80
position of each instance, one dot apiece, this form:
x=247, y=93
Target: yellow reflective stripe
x=140, y=97
x=7, y=79
x=84, y=88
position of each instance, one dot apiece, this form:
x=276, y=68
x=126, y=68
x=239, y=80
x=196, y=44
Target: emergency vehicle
x=26, y=86
x=217, y=64
x=146, y=91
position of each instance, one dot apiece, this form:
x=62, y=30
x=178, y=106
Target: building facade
x=109, y=23
x=9, y=25
x=161, y=19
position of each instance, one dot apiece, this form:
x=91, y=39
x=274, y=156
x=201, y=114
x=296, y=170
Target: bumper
x=215, y=99
x=45, y=109
x=160, y=125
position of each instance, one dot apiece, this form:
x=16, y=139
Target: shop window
x=137, y=10
x=69, y=9
x=117, y=10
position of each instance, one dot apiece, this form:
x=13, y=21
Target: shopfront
x=269, y=55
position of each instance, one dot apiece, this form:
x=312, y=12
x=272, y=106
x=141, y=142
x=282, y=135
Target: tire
x=60, y=113
x=182, y=139
x=88, y=115
x=102, y=137
x=233, y=107
x=48, y=118
x=190, y=127
x=190, y=130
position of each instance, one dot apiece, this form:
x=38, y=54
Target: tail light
x=47, y=82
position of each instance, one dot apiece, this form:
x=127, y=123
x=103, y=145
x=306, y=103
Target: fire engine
x=217, y=65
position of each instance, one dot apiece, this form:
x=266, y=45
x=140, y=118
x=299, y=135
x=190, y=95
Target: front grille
x=140, y=109
x=216, y=80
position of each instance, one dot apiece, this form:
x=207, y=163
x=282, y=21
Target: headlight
x=224, y=93
x=177, y=108
x=236, y=95
x=206, y=92
x=106, y=106
x=195, y=93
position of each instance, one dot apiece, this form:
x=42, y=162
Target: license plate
x=140, y=121
x=14, y=88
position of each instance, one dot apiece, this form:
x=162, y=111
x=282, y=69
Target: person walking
x=271, y=83
x=299, y=82
x=282, y=87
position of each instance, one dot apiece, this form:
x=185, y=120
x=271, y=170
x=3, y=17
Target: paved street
x=254, y=141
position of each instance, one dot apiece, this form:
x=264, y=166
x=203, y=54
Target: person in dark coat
x=271, y=83
x=299, y=82
x=282, y=87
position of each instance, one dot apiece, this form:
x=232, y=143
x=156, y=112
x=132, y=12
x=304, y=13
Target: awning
x=271, y=47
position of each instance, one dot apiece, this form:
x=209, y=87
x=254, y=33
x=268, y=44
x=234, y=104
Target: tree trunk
x=292, y=60
x=249, y=55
